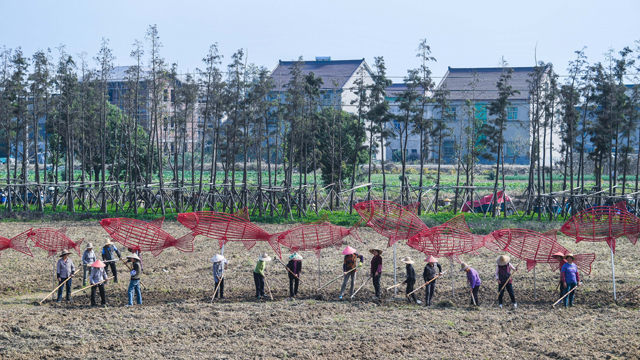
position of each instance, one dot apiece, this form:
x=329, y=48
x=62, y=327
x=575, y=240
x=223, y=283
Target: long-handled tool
x=217, y=287
x=90, y=286
x=58, y=287
x=565, y=295
x=334, y=280
x=506, y=282
x=289, y=270
x=369, y=278
x=427, y=283
x=268, y=287
x=629, y=293
x=394, y=286
x=473, y=298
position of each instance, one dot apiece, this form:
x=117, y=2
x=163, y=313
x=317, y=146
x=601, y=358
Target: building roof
x=458, y=82
x=396, y=89
x=339, y=70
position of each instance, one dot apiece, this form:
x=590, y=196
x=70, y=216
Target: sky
x=461, y=33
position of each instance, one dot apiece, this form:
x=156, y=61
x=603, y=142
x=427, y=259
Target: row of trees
x=232, y=121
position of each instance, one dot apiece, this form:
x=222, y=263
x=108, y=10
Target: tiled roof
x=396, y=89
x=338, y=70
x=458, y=82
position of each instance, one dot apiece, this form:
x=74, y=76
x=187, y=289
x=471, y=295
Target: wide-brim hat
x=89, y=246
x=503, y=260
x=569, y=255
x=376, y=249
x=559, y=253
x=348, y=251
x=108, y=242
x=464, y=267
x=133, y=256
x=65, y=252
x=264, y=257
x=98, y=264
x=217, y=258
x=295, y=256
x=407, y=260
x=431, y=259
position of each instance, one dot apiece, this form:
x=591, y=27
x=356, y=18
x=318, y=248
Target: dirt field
x=178, y=319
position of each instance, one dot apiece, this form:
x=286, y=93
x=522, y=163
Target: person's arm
x=58, y=269
x=577, y=276
x=379, y=269
x=299, y=267
x=562, y=276
x=117, y=251
x=497, y=270
x=439, y=268
x=73, y=268
x=512, y=267
x=361, y=258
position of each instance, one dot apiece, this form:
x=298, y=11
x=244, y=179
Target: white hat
x=217, y=258
x=295, y=256
x=133, y=256
x=264, y=257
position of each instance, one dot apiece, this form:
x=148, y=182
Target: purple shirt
x=376, y=265
x=473, y=278
x=569, y=273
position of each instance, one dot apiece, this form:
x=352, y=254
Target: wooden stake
x=86, y=287
x=565, y=295
x=54, y=290
x=369, y=278
x=427, y=283
x=341, y=276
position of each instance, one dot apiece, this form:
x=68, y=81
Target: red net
x=53, y=240
x=449, y=240
x=535, y=247
x=143, y=236
x=314, y=237
x=390, y=219
x=603, y=223
x=18, y=243
x=225, y=227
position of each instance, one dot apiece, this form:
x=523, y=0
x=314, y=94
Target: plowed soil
x=178, y=319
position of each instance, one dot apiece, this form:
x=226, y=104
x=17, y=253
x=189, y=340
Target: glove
x=133, y=272
x=360, y=264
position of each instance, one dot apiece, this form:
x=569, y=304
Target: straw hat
x=431, y=259
x=264, y=257
x=569, y=255
x=559, y=253
x=65, y=252
x=107, y=243
x=407, y=260
x=376, y=249
x=348, y=251
x=89, y=246
x=217, y=258
x=464, y=267
x=98, y=264
x=503, y=260
x=295, y=256
x=133, y=256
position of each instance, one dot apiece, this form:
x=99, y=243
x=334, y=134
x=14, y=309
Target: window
x=481, y=112
x=414, y=151
x=453, y=113
x=512, y=113
x=448, y=148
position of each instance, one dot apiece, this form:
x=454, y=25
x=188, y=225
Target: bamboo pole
x=86, y=287
x=289, y=270
x=427, y=283
x=341, y=276
x=629, y=293
x=565, y=295
x=217, y=287
x=505, y=284
x=54, y=290
x=369, y=278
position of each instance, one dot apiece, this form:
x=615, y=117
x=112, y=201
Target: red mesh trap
x=603, y=223
x=449, y=240
x=390, y=219
x=18, y=243
x=143, y=236
x=314, y=237
x=53, y=240
x=225, y=227
x=535, y=247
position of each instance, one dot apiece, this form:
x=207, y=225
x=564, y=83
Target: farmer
x=219, y=266
x=88, y=258
x=65, y=269
x=503, y=276
x=295, y=265
x=561, y=261
x=376, y=270
x=349, y=268
x=410, y=280
x=474, y=282
x=570, y=279
x=258, y=274
x=110, y=261
x=137, y=252
x=98, y=276
x=134, y=284
x=431, y=270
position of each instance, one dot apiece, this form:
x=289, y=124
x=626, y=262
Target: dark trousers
x=474, y=295
x=568, y=301
x=509, y=289
x=102, y=294
x=86, y=269
x=410, y=289
x=111, y=265
x=430, y=290
x=259, y=281
x=67, y=285
x=220, y=287
x=293, y=286
x=376, y=284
